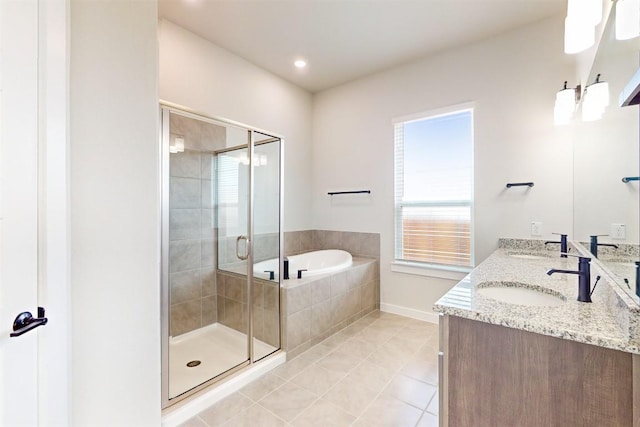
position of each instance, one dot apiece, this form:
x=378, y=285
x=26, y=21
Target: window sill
x=442, y=272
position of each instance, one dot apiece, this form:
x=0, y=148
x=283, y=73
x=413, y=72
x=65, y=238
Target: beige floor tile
x=255, y=416
x=318, y=379
x=316, y=353
x=428, y=420
x=417, y=336
x=354, y=329
x=376, y=372
x=387, y=411
x=370, y=375
x=407, y=347
x=224, y=410
x=323, y=413
x=262, y=386
x=411, y=391
x=339, y=362
x=194, y=422
x=433, y=405
x=351, y=396
x=288, y=401
x=356, y=347
x=422, y=369
x=291, y=368
x=389, y=357
x=376, y=337
x=335, y=340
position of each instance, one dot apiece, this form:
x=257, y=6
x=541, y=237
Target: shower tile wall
x=192, y=278
x=232, y=306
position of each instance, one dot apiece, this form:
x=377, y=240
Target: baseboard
x=190, y=407
x=410, y=312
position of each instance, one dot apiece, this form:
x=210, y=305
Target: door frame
x=54, y=287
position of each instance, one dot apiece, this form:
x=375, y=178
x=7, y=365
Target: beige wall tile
x=185, y=286
x=184, y=255
x=298, y=298
x=299, y=328
x=185, y=317
x=209, y=310
x=184, y=224
x=184, y=193
x=208, y=281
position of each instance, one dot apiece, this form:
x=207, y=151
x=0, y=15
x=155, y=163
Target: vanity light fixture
x=627, y=19
x=565, y=105
x=580, y=24
x=596, y=100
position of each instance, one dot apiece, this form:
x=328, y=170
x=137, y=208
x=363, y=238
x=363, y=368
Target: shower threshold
x=217, y=347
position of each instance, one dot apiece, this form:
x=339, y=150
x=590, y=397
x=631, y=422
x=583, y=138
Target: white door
x=18, y=209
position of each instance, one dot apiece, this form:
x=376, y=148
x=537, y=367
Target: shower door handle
x=246, y=246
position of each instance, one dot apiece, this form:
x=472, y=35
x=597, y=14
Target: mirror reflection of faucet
x=584, y=277
x=300, y=273
x=562, y=242
x=595, y=244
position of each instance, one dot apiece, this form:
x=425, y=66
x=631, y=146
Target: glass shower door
x=240, y=257
x=267, y=245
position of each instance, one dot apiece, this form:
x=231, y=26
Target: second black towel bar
x=519, y=184
x=331, y=193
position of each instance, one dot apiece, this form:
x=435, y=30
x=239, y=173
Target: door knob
x=24, y=322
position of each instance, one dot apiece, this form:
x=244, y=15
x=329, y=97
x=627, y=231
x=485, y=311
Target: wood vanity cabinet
x=497, y=376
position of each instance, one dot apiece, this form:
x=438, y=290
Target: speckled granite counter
x=606, y=322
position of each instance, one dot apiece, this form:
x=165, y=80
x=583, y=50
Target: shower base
x=218, y=348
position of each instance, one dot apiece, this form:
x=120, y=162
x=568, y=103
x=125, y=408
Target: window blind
x=433, y=189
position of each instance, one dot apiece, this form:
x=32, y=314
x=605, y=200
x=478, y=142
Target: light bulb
x=627, y=19
x=579, y=35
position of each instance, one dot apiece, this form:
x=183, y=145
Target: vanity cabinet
x=492, y=375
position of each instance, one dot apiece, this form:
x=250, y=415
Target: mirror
x=605, y=151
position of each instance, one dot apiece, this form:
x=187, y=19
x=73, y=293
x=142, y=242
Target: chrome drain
x=193, y=363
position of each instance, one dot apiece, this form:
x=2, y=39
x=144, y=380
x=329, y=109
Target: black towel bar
x=331, y=193
x=519, y=184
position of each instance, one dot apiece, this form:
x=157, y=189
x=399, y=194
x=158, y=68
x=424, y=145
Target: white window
x=434, y=189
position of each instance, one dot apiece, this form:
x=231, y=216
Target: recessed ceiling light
x=300, y=63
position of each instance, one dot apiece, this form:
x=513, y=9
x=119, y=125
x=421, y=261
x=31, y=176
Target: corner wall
x=114, y=206
x=512, y=79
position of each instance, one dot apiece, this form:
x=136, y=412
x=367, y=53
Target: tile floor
x=379, y=371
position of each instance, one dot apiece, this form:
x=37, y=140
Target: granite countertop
x=606, y=322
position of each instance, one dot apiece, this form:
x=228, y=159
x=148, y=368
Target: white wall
x=203, y=77
x=512, y=79
x=114, y=214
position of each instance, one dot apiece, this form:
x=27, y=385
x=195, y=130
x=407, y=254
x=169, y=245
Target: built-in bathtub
x=337, y=290
x=319, y=305
x=310, y=263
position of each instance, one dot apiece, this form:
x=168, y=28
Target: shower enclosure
x=221, y=214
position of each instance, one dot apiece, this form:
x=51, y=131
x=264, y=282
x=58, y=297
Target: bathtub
x=317, y=262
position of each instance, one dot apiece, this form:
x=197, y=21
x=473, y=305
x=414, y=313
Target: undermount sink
x=528, y=256
x=520, y=294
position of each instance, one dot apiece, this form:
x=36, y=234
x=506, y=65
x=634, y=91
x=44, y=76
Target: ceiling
x=346, y=39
